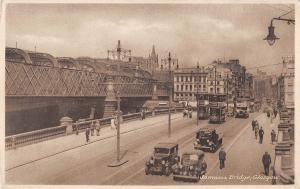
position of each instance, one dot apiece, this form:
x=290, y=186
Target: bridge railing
x=33, y=136
x=18, y=140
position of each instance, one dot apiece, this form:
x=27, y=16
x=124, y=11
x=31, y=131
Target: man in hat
x=261, y=135
x=266, y=160
x=222, y=158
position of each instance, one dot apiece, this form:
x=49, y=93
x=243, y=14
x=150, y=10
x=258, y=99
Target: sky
x=191, y=32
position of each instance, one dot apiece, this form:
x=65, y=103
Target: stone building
x=188, y=82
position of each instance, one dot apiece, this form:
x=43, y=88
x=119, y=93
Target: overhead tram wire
x=286, y=13
x=276, y=8
x=288, y=6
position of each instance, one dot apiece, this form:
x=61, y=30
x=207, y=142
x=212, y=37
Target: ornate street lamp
x=271, y=38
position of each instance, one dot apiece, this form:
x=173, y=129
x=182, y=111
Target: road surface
x=88, y=164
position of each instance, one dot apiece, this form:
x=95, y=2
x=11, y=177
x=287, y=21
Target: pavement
x=38, y=151
x=244, y=156
x=63, y=160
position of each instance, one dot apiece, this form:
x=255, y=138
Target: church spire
x=153, y=54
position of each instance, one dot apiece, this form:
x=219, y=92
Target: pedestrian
x=92, y=128
x=266, y=160
x=87, y=134
x=222, y=158
x=268, y=114
x=256, y=130
x=112, y=123
x=142, y=114
x=275, y=113
x=273, y=136
x=190, y=113
x=77, y=130
x=98, y=127
x=261, y=135
x=253, y=124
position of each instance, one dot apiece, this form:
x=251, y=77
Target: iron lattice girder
x=30, y=80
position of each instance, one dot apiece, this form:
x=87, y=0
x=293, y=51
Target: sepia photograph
x=127, y=94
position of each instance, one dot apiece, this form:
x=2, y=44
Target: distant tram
x=217, y=108
x=203, y=106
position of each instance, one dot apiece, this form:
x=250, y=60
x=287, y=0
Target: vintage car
x=164, y=158
x=191, y=167
x=208, y=139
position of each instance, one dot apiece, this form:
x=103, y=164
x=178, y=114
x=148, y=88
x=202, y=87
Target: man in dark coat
x=222, y=158
x=261, y=135
x=253, y=124
x=273, y=136
x=275, y=113
x=266, y=160
x=87, y=134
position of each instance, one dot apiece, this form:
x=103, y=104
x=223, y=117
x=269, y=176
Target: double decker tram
x=217, y=108
x=203, y=106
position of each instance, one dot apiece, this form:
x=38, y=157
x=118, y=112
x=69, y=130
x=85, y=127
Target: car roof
x=198, y=152
x=165, y=145
x=206, y=130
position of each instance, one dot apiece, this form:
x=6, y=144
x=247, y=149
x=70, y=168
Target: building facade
x=286, y=83
x=188, y=82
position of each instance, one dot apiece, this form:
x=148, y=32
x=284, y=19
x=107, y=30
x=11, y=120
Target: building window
x=177, y=78
x=199, y=86
x=204, y=86
x=186, y=87
x=218, y=83
x=186, y=78
x=191, y=78
x=204, y=79
x=181, y=87
x=211, y=89
x=177, y=87
x=191, y=87
x=218, y=90
x=211, y=82
x=181, y=78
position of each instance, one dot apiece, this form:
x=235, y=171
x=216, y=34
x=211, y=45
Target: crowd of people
x=187, y=112
x=90, y=130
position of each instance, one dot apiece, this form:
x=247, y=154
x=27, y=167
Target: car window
x=161, y=150
x=193, y=157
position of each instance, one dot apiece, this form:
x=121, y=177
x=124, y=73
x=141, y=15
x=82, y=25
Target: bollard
x=67, y=121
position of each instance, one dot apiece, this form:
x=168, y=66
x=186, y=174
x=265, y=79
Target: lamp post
x=170, y=96
x=271, y=37
x=227, y=80
x=197, y=83
x=215, y=67
x=169, y=60
x=118, y=52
